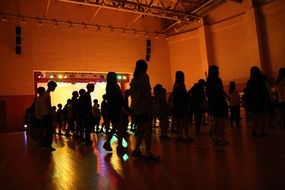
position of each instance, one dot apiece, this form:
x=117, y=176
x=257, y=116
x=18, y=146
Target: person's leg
x=147, y=125
x=255, y=124
x=49, y=132
x=198, y=121
x=163, y=127
x=179, y=125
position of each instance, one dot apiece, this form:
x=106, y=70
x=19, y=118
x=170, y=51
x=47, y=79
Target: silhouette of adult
x=280, y=83
x=198, y=100
x=258, y=99
x=180, y=102
x=115, y=106
x=87, y=112
x=47, y=116
x=80, y=118
x=142, y=108
x=218, y=104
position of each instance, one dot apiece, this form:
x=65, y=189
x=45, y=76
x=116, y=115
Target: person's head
x=112, y=78
x=282, y=72
x=53, y=108
x=104, y=96
x=202, y=82
x=141, y=66
x=157, y=89
x=95, y=101
x=41, y=90
x=179, y=77
x=51, y=85
x=90, y=87
x=59, y=106
x=75, y=94
x=127, y=92
x=213, y=71
x=255, y=72
x=82, y=91
x=232, y=86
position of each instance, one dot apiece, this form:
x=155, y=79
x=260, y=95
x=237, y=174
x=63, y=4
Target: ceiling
x=149, y=16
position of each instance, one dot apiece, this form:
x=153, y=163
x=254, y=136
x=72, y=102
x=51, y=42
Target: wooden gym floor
x=246, y=163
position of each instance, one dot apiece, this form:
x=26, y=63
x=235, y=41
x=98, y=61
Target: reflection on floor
x=246, y=163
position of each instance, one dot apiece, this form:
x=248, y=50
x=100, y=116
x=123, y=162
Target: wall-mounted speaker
x=18, y=40
x=18, y=50
x=18, y=30
x=148, y=50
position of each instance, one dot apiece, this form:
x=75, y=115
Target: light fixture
x=98, y=28
x=40, y=23
x=136, y=34
x=147, y=35
x=85, y=26
x=156, y=36
x=70, y=25
x=23, y=21
x=4, y=19
x=55, y=24
x=111, y=28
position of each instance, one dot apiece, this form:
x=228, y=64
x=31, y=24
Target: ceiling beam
x=138, y=8
x=94, y=15
x=47, y=8
x=139, y=16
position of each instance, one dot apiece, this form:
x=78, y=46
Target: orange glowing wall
x=45, y=48
x=235, y=36
x=185, y=56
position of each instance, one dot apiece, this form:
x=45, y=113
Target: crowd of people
x=206, y=102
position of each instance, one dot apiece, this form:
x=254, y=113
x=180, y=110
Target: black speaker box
x=18, y=40
x=18, y=50
x=18, y=30
x=148, y=43
x=147, y=57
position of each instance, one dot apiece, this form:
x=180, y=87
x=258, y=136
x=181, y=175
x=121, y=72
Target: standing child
x=59, y=118
x=234, y=105
x=161, y=109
